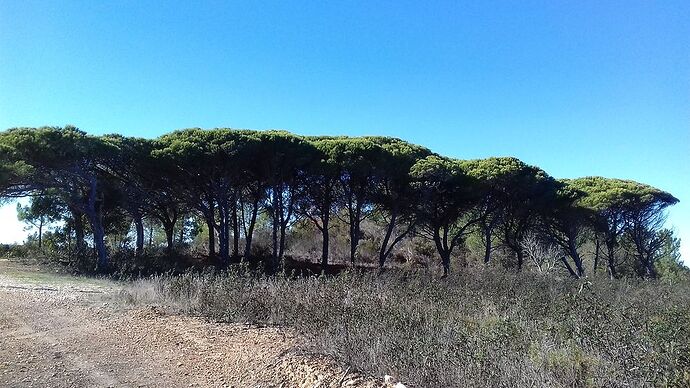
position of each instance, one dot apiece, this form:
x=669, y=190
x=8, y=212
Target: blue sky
x=578, y=88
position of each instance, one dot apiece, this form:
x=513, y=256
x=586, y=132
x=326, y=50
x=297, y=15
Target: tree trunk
x=40, y=233
x=168, y=215
x=383, y=252
x=275, y=226
x=235, y=228
x=353, y=244
x=444, y=251
x=597, y=249
x=520, y=256
x=355, y=215
x=324, y=240
x=139, y=227
x=650, y=271
x=646, y=259
x=207, y=210
x=250, y=231
x=512, y=240
x=286, y=211
x=575, y=255
x=568, y=267
x=94, y=214
x=445, y=261
x=487, y=244
x=169, y=235
x=354, y=241
x=611, y=253
x=223, y=230
x=281, y=251
x=274, y=245
x=211, y=225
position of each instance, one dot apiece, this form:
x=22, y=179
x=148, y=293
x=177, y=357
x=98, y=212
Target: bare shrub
x=543, y=255
x=479, y=328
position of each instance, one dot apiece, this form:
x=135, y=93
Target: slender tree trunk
x=275, y=226
x=355, y=232
x=650, y=271
x=168, y=218
x=139, y=227
x=324, y=240
x=95, y=219
x=209, y=214
x=445, y=261
x=281, y=251
x=646, y=260
x=512, y=241
x=575, y=255
x=487, y=243
x=223, y=230
x=444, y=251
x=597, y=249
x=353, y=244
x=284, y=216
x=169, y=235
x=383, y=252
x=219, y=228
x=520, y=256
x=40, y=234
x=611, y=253
x=211, y=225
x=235, y=227
x=567, y=266
x=250, y=231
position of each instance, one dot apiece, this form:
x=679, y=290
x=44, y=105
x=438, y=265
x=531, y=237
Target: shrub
x=483, y=327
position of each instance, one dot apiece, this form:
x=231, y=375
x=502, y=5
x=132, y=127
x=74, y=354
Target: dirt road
x=62, y=331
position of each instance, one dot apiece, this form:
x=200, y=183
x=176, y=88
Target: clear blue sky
x=576, y=87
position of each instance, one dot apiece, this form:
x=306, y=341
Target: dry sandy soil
x=63, y=331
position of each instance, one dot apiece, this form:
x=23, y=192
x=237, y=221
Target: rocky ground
x=63, y=331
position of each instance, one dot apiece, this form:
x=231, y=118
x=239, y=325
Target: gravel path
x=59, y=331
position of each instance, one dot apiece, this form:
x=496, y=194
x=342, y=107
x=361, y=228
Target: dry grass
x=482, y=327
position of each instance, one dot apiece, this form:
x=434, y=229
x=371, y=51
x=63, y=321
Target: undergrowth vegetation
x=482, y=327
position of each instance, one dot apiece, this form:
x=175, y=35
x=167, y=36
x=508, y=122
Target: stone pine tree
x=319, y=193
x=72, y=164
x=498, y=179
x=43, y=209
x=393, y=196
x=625, y=210
x=446, y=196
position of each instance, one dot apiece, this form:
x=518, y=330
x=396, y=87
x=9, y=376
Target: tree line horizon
x=229, y=178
